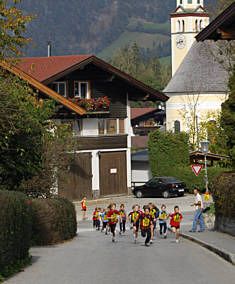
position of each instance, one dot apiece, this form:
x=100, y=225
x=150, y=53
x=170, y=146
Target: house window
x=77, y=127
x=81, y=90
x=198, y=1
x=190, y=1
x=177, y=126
x=181, y=1
x=121, y=126
x=60, y=88
x=111, y=126
x=101, y=126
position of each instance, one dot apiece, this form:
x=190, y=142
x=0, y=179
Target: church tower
x=187, y=21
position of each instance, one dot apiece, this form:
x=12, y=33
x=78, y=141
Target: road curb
x=230, y=257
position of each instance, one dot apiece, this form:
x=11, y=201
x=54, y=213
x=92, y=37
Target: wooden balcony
x=101, y=142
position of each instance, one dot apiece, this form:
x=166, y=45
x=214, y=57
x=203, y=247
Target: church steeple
x=187, y=21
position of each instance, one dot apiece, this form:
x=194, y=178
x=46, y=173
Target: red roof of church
x=136, y=112
x=42, y=68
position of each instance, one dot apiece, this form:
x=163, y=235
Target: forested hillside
x=99, y=26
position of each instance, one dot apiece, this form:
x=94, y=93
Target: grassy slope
x=143, y=32
x=144, y=40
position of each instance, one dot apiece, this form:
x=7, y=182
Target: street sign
x=197, y=169
x=113, y=171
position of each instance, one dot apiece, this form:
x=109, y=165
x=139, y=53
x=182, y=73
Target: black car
x=160, y=187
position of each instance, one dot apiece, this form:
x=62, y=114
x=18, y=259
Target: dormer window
x=60, y=88
x=82, y=89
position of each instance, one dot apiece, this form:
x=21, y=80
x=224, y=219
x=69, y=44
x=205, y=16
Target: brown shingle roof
x=136, y=112
x=42, y=68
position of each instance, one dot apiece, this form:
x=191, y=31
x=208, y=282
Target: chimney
x=49, y=49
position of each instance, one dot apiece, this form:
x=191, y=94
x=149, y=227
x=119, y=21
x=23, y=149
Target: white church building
x=199, y=81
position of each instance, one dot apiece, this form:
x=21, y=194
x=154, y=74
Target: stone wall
x=225, y=224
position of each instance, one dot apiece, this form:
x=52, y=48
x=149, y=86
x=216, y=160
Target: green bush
x=223, y=192
x=54, y=220
x=15, y=231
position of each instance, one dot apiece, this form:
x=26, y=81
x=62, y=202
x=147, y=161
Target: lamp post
x=205, y=150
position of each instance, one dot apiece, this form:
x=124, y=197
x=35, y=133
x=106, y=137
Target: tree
x=228, y=117
x=22, y=124
x=12, y=27
x=148, y=70
x=30, y=144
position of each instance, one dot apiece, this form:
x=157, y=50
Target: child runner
x=136, y=224
x=146, y=222
x=105, y=221
x=154, y=212
x=176, y=218
x=163, y=220
x=130, y=219
x=113, y=219
x=83, y=204
x=122, y=220
x=95, y=218
x=101, y=218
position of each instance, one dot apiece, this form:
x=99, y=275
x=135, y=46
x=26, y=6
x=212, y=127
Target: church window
x=179, y=26
x=177, y=126
x=196, y=26
x=183, y=26
x=201, y=25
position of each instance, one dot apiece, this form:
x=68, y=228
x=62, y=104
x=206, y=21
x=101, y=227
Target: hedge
x=54, y=220
x=223, y=192
x=15, y=231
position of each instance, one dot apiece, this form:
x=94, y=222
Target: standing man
x=198, y=213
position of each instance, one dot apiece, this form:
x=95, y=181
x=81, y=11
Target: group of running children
x=145, y=221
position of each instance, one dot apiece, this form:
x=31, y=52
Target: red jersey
x=175, y=219
x=113, y=215
x=146, y=221
x=96, y=215
x=83, y=203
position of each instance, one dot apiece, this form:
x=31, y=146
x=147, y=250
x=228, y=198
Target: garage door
x=79, y=181
x=113, y=173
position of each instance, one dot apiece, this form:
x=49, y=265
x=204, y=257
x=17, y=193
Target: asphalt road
x=91, y=258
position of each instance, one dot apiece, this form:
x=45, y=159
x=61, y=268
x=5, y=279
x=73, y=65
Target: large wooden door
x=113, y=173
x=79, y=181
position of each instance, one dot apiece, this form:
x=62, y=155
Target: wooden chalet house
x=95, y=99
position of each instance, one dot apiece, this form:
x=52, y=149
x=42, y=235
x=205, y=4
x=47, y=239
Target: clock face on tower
x=180, y=41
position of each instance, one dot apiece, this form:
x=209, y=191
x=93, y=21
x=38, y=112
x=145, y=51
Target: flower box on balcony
x=99, y=105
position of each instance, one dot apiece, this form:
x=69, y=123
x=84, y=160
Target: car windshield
x=170, y=179
x=152, y=182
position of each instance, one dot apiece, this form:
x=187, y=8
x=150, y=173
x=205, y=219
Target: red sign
x=197, y=169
